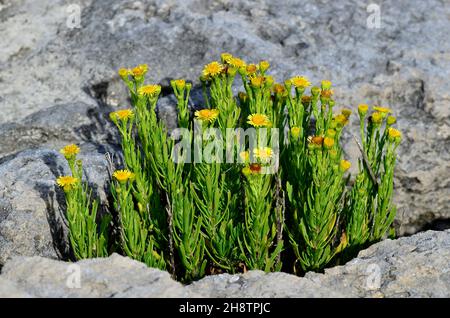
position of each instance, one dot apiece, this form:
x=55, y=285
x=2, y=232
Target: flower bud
x=326, y=85
x=362, y=110
x=264, y=66
x=391, y=120
x=345, y=165
x=315, y=91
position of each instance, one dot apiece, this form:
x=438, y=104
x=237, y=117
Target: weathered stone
x=115, y=276
x=415, y=266
x=31, y=203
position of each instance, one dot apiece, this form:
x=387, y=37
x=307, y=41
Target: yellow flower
x=150, y=90
x=246, y=171
x=67, y=182
x=259, y=120
x=245, y=156
x=333, y=153
x=226, y=57
x=264, y=153
x=180, y=83
x=345, y=165
x=328, y=142
x=264, y=66
x=255, y=168
x=341, y=119
x=122, y=114
x=257, y=81
x=207, y=114
x=212, y=69
x=346, y=112
x=326, y=93
x=123, y=72
x=295, y=131
x=316, y=140
x=139, y=70
x=236, y=62
x=251, y=69
x=331, y=133
x=326, y=85
x=252, y=169
x=394, y=134
x=362, y=109
x=268, y=80
x=391, y=120
x=300, y=82
x=279, y=89
x=123, y=175
x=70, y=151
x=315, y=91
x=306, y=99
x=377, y=118
x=384, y=110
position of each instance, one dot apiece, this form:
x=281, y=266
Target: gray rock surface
x=52, y=74
x=31, y=222
x=415, y=266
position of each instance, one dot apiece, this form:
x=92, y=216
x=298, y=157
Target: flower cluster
x=286, y=199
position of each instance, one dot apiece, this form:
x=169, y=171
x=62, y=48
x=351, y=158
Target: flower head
x=341, y=120
x=226, y=57
x=245, y=156
x=212, y=69
x=384, y=110
x=259, y=120
x=124, y=72
x=180, y=83
x=326, y=85
x=150, y=90
x=264, y=66
x=391, y=120
x=326, y=93
x=70, y=151
x=306, y=99
x=123, y=175
x=268, y=80
x=255, y=168
x=257, y=81
x=139, y=70
x=331, y=133
x=300, y=82
x=315, y=91
x=377, y=118
x=333, y=153
x=251, y=69
x=236, y=62
x=345, y=165
x=295, y=132
x=362, y=109
x=328, y=142
x=394, y=134
x=264, y=153
x=279, y=89
x=67, y=182
x=346, y=112
x=207, y=114
x=122, y=114
x=316, y=140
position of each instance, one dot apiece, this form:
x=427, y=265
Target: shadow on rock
x=55, y=216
